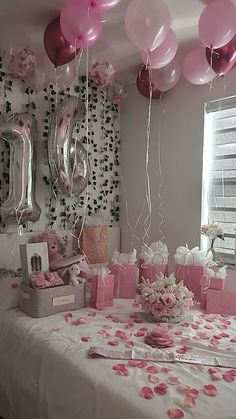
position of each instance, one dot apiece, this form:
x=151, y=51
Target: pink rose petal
x=128, y=325
x=184, y=324
x=133, y=363
x=208, y=327
x=139, y=333
x=85, y=338
x=138, y=321
x=142, y=364
x=152, y=369
x=129, y=344
x=153, y=378
x=175, y=413
x=113, y=342
x=213, y=370
x=173, y=380
x=228, y=378
x=231, y=372
x=190, y=402
x=166, y=369
x=210, y=390
x=120, y=334
x=178, y=332
x=147, y=393
x=224, y=335
x=161, y=389
x=217, y=376
x=192, y=392
x=118, y=367
x=233, y=339
x=183, y=389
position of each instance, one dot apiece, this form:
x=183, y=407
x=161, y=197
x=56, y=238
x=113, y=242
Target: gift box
x=221, y=302
x=102, y=291
x=45, y=302
x=126, y=278
x=94, y=243
x=151, y=272
x=34, y=258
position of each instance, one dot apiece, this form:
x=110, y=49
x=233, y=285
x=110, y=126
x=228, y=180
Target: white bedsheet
x=45, y=372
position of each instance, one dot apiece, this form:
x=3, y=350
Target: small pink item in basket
x=160, y=338
x=54, y=279
x=38, y=280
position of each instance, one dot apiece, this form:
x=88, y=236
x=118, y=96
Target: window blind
x=219, y=172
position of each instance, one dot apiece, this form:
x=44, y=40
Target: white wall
x=181, y=114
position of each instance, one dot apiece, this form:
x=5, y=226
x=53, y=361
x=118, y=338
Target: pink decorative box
x=221, y=302
x=48, y=301
x=126, y=278
x=102, y=291
x=151, y=271
x=191, y=275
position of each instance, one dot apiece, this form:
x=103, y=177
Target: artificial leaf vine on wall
x=99, y=133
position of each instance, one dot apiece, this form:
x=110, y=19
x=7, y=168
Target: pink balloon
x=80, y=25
x=217, y=23
x=196, y=68
x=147, y=87
x=167, y=77
x=100, y=6
x=162, y=55
x=147, y=23
x=57, y=48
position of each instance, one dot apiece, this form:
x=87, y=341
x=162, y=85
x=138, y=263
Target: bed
x=46, y=373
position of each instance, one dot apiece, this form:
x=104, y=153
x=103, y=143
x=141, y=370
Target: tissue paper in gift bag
x=102, y=291
x=151, y=271
x=94, y=243
x=126, y=276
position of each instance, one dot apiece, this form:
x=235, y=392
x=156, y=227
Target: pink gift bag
x=126, y=277
x=191, y=275
x=94, y=243
x=102, y=291
x=221, y=302
x=151, y=271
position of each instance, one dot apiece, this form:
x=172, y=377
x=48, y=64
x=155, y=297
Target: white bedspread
x=45, y=372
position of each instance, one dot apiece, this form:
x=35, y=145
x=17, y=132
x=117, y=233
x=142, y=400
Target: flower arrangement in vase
x=164, y=301
x=212, y=231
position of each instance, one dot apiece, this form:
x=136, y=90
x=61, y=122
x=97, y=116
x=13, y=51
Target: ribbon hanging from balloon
x=222, y=60
x=20, y=132
x=68, y=159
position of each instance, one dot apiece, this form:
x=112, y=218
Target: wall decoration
x=101, y=140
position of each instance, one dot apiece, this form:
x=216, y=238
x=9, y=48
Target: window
x=219, y=173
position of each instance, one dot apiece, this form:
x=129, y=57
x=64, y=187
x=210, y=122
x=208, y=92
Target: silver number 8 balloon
x=20, y=132
x=68, y=159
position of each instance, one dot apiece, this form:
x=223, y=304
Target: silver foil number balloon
x=20, y=132
x=68, y=159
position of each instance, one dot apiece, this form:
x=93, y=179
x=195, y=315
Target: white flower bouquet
x=164, y=301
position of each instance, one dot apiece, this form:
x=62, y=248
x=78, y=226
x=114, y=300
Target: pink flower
x=204, y=229
x=157, y=309
x=169, y=299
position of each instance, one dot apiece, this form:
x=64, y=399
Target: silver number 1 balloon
x=68, y=159
x=20, y=132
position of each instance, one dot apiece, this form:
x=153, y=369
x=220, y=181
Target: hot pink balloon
x=80, y=25
x=217, y=23
x=196, y=68
x=147, y=23
x=167, y=77
x=100, y=6
x=57, y=48
x=162, y=55
x=146, y=86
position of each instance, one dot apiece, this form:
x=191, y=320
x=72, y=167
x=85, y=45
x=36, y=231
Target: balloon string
x=148, y=220
x=160, y=174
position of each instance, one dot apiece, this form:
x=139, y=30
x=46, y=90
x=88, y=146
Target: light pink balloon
x=167, y=77
x=217, y=23
x=196, y=68
x=162, y=55
x=100, y=6
x=147, y=23
x=80, y=26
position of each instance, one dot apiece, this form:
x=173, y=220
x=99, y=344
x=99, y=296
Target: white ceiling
x=23, y=21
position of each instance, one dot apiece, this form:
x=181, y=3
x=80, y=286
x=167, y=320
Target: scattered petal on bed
x=153, y=378
x=184, y=324
x=233, y=339
x=147, y=393
x=224, y=335
x=229, y=378
x=120, y=334
x=190, y=402
x=208, y=327
x=139, y=333
x=152, y=369
x=210, y=390
x=217, y=336
x=173, y=380
x=178, y=332
x=195, y=326
x=92, y=314
x=113, y=342
x=213, y=370
x=138, y=321
x=161, y=389
x=222, y=327
x=128, y=325
x=129, y=344
x=133, y=363
x=166, y=369
x=231, y=372
x=85, y=338
x=217, y=376
x=143, y=329
x=79, y=321
x=192, y=392
x=175, y=413
x=123, y=371
x=182, y=389
x=142, y=364
x=229, y=348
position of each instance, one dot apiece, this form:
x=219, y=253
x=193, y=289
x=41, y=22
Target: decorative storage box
x=221, y=302
x=34, y=258
x=48, y=301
